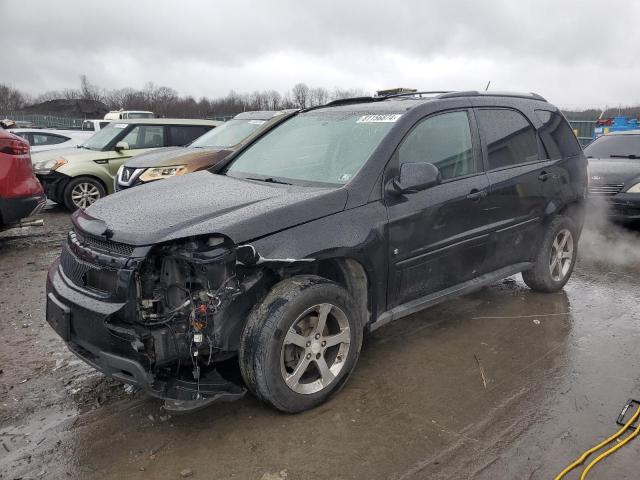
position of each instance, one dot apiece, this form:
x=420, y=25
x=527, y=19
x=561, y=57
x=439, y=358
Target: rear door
x=438, y=237
x=518, y=177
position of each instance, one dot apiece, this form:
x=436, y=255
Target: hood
x=613, y=171
x=40, y=158
x=206, y=203
x=193, y=158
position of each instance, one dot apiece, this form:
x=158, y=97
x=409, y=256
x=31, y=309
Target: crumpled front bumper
x=92, y=329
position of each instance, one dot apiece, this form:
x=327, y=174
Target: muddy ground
x=501, y=384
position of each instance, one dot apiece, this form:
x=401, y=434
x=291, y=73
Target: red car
x=21, y=194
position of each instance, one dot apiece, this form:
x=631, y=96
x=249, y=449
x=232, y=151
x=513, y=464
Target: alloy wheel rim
x=315, y=349
x=84, y=194
x=561, y=255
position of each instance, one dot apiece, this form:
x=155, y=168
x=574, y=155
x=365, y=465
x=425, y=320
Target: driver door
x=140, y=139
x=438, y=237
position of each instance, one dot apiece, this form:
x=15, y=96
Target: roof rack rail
x=416, y=94
x=475, y=93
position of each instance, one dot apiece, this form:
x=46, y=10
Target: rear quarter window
x=557, y=136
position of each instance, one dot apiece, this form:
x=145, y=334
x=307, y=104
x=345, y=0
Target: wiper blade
x=630, y=155
x=269, y=180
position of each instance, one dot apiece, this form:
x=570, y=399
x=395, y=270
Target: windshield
x=229, y=134
x=103, y=137
x=607, y=146
x=317, y=147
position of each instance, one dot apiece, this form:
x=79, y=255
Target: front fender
x=359, y=234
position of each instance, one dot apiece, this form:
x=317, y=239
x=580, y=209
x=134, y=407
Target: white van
x=128, y=114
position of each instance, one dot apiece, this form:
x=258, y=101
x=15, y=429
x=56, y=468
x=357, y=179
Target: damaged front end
x=167, y=319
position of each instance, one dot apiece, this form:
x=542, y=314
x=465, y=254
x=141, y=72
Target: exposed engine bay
x=191, y=299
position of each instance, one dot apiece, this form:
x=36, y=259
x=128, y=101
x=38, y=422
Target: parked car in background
x=78, y=177
x=202, y=153
x=21, y=194
x=614, y=173
x=128, y=114
x=341, y=219
x=41, y=140
x=94, y=125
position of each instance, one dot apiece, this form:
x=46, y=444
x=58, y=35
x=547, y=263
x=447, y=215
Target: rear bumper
x=92, y=330
x=13, y=210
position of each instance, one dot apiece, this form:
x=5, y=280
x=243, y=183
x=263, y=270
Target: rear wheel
x=556, y=257
x=301, y=343
x=82, y=192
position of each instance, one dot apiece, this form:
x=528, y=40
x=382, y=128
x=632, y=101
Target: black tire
x=540, y=277
x=263, y=340
x=93, y=185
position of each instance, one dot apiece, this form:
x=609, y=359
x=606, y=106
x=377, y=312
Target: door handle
x=544, y=176
x=475, y=195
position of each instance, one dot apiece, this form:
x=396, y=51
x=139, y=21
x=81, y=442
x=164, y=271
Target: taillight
x=13, y=146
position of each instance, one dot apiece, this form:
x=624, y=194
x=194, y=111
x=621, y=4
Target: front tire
x=82, y=192
x=300, y=343
x=556, y=257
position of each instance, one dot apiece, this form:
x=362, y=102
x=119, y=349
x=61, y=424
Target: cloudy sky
x=576, y=53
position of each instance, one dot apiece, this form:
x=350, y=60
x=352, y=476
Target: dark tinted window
x=445, y=141
x=614, y=146
x=557, y=136
x=510, y=138
x=183, y=134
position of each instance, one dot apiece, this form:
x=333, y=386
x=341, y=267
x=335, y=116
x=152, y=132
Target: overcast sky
x=575, y=53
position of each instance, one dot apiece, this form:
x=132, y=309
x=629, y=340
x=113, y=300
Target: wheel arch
x=347, y=272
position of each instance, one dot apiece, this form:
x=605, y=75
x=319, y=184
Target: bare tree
x=319, y=96
x=88, y=91
x=11, y=99
x=300, y=94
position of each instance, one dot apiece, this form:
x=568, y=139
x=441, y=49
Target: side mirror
x=414, y=177
x=121, y=146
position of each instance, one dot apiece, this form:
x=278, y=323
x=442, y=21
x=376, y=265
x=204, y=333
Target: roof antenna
x=487, y=87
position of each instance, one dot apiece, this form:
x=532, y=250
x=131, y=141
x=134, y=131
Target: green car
x=77, y=177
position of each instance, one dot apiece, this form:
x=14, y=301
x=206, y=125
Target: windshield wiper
x=631, y=155
x=269, y=180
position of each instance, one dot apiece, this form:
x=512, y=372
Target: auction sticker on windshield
x=120, y=125
x=256, y=122
x=379, y=118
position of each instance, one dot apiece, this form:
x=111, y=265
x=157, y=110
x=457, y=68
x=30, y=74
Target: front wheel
x=300, y=343
x=82, y=192
x=556, y=257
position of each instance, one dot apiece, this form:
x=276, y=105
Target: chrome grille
x=105, y=246
x=606, y=189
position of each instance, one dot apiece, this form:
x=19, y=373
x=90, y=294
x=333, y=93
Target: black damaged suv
x=336, y=222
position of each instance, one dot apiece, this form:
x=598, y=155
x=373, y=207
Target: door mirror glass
x=121, y=146
x=415, y=177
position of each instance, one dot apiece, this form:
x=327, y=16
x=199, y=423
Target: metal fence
x=44, y=121
x=52, y=121
x=583, y=130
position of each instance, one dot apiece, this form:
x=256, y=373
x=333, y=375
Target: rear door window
x=180, y=135
x=44, y=139
x=557, y=136
x=510, y=138
x=443, y=140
